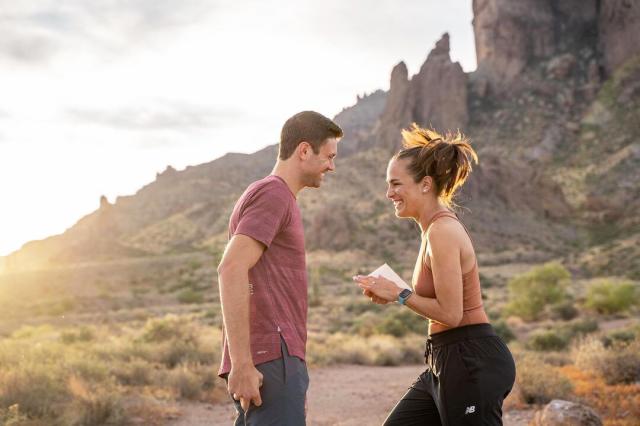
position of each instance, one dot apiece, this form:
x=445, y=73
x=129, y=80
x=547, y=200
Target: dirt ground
x=346, y=395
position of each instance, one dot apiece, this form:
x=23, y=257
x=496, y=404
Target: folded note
x=388, y=273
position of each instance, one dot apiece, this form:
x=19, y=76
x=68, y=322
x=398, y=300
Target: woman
x=469, y=368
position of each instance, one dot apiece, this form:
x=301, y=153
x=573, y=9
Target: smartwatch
x=404, y=295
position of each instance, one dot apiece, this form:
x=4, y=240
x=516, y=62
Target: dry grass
x=538, y=382
x=339, y=348
x=620, y=363
x=105, y=376
x=619, y=405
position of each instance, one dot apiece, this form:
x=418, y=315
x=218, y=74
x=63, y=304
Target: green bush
x=159, y=330
x=579, y=327
x=618, y=336
x=609, y=297
x=548, y=340
x=533, y=291
x=503, y=330
x=558, y=338
x=564, y=310
x=400, y=322
x=396, y=321
x=190, y=296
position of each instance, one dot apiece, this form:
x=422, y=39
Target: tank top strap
x=448, y=213
x=442, y=213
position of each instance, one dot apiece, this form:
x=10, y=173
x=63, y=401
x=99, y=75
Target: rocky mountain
x=553, y=110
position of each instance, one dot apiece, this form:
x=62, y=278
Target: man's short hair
x=308, y=126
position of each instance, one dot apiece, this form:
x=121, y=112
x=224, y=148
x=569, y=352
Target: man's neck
x=284, y=170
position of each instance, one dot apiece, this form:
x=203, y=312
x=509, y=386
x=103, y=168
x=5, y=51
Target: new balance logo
x=470, y=410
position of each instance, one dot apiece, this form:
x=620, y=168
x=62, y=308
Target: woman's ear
x=426, y=184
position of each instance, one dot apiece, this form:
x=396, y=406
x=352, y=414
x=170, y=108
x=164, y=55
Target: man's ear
x=304, y=150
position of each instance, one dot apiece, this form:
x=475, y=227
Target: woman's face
x=407, y=195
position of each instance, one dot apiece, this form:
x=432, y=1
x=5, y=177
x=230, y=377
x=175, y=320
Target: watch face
x=405, y=293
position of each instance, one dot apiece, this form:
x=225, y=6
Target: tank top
x=472, y=307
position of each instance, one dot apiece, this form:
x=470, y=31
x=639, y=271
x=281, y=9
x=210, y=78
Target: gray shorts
x=283, y=392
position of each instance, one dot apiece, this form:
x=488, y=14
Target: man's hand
x=244, y=385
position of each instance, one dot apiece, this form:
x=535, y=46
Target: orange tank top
x=472, y=308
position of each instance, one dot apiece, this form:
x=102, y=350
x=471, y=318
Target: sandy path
x=346, y=395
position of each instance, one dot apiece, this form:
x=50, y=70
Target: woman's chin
x=400, y=213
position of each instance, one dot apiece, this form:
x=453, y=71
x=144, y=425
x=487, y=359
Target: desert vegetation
x=134, y=367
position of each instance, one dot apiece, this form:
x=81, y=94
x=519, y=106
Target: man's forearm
x=234, y=298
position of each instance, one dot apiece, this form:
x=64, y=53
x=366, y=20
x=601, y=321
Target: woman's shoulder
x=446, y=230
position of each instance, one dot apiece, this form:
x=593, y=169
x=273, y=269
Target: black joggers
x=469, y=372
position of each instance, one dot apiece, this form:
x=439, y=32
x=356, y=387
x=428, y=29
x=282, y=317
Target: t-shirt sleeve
x=264, y=214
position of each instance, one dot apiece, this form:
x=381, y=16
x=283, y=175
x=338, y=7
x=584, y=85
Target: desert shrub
x=190, y=296
x=136, y=372
x=400, y=322
x=394, y=322
x=565, y=310
x=340, y=348
x=530, y=293
x=620, y=363
x=358, y=307
x=503, y=330
x=609, y=297
x=93, y=406
x=366, y=324
x=169, y=327
x=618, y=336
x=12, y=416
x=187, y=384
x=82, y=334
x=30, y=331
x=37, y=388
x=540, y=382
x=86, y=366
x=580, y=327
x=559, y=337
x=548, y=340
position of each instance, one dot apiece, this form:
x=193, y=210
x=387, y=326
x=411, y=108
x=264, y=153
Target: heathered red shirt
x=268, y=213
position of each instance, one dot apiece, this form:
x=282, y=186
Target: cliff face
x=619, y=24
x=436, y=96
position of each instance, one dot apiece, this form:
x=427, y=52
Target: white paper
x=388, y=273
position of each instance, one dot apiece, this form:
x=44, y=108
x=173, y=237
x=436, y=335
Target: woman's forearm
x=430, y=308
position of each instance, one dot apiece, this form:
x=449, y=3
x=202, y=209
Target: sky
x=98, y=96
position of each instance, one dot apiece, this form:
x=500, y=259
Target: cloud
x=35, y=31
x=158, y=116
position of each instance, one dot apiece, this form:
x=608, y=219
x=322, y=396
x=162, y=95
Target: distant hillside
x=553, y=111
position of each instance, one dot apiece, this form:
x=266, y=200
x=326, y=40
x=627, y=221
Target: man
x=263, y=280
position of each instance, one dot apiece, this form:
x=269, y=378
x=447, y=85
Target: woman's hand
x=379, y=287
x=375, y=299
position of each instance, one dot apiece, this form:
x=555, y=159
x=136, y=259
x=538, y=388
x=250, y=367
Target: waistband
x=457, y=334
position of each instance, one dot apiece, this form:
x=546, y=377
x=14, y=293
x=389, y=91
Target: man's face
x=316, y=165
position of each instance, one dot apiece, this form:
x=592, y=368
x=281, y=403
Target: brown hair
x=446, y=159
x=308, y=126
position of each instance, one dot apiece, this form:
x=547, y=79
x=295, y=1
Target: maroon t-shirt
x=268, y=213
